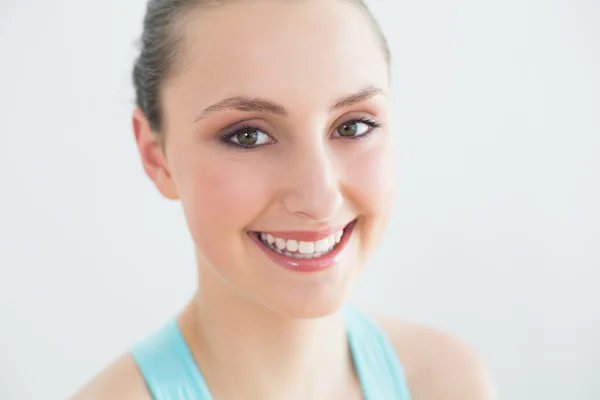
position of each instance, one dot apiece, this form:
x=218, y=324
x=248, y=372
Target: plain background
x=497, y=230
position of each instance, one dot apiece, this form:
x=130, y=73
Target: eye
x=249, y=137
x=355, y=128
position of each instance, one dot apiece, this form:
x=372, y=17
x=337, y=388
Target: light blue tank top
x=170, y=372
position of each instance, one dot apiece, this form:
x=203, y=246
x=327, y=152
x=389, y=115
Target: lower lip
x=322, y=263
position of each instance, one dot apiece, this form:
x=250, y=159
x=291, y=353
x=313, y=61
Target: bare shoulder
x=437, y=364
x=120, y=380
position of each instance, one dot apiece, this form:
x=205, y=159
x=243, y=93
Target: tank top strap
x=378, y=367
x=168, y=367
x=170, y=371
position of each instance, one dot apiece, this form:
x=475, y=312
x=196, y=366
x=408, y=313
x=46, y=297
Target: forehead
x=286, y=50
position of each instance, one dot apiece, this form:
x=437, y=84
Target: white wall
x=497, y=230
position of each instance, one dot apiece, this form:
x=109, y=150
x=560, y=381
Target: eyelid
x=254, y=123
x=228, y=133
x=358, y=114
x=355, y=117
x=365, y=118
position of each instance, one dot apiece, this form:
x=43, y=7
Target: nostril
x=319, y=206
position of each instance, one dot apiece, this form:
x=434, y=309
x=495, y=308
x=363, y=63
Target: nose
x=312, y=185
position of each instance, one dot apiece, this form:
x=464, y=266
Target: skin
x=250, y=318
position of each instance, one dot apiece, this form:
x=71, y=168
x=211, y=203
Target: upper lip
x=306, y=235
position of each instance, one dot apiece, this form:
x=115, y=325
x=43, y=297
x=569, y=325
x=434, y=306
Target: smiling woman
x=269, y=121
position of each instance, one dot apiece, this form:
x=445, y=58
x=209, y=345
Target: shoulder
x=120, y=380
x=437, y=364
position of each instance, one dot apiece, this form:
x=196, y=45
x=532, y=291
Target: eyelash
x=370, y=122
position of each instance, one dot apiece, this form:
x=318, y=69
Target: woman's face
x=271, y=127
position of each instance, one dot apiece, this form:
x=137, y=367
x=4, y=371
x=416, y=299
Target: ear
x=152, y=155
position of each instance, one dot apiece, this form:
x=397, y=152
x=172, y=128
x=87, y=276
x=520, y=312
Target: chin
x=307, y=295
x=309, y=311
x=316, y=299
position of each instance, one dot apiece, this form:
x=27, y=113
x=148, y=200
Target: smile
x=304, y=250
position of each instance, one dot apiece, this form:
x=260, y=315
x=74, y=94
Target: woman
x=269, y=121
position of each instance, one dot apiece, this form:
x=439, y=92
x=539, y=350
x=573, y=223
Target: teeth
x=307, y=247
x=280, y=243
x=322, y=245
x=300, y=249
x=330, y=239
x=292, y=245
x=338, y=236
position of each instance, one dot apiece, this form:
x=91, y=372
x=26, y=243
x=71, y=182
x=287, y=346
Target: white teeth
x=331, y=240
x=302, y=250
x=292, y=245
x=280, y=243
x=322, y=245
x=338, y=236
x=306, y=247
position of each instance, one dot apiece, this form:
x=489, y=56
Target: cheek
x=220, y=197
x=370, y=188
x=370, y=177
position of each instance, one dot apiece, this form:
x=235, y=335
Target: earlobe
x=152, y=156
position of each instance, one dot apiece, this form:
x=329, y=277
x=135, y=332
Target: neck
x=246, y=349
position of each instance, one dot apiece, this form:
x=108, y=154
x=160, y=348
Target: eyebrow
x=254, y=104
